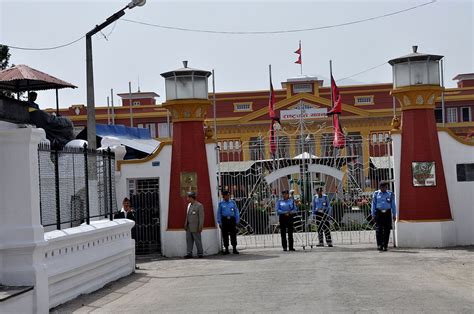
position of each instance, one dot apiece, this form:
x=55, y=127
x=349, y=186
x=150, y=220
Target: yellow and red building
x=242, y=116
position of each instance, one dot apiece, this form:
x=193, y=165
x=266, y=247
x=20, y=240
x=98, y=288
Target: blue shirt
x=322, y=204
x=384, y=201
x=228, y=209
x=285, y=206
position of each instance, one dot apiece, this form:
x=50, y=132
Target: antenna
x=139, y=83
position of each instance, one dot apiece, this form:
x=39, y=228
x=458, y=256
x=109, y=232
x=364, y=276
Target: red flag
x=298, y=52
x=336, y=99
x=339, y=140
x=271, y=113
x=271, y=102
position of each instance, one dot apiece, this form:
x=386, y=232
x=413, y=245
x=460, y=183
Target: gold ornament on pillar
x=395, y=124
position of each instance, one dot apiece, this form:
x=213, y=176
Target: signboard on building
x=424, y=173
x=308, y=114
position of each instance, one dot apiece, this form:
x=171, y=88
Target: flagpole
x=442, y=92
x=270, y=75
x=301, y=60
x=332, y=106
x=272, y=128
x=330, y=82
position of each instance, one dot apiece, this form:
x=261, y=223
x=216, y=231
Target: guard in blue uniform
x=383, y=212
x=286, y=210
x=228, y=217
x=322, y=212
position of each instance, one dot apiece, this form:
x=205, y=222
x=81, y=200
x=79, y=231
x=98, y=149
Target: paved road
x=345, y=279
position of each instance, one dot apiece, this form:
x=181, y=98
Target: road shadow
x=244, y=256
x=469, y=248
x=194, y=276
x=87, y=303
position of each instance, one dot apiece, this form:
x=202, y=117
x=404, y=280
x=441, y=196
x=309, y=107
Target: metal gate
x=145, y=200
x=302, y=163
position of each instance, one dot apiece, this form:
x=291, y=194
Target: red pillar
x=420, y=144
x=189, y=168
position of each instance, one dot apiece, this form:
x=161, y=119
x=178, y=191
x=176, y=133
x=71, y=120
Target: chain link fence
x=76, y=184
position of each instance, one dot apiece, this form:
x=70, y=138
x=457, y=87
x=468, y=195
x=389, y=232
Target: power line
x=279, y=31
x=46, y=48
x=239, y=32
x=361, y=72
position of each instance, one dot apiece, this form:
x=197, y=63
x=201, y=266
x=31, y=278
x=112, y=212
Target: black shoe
x=379, y=248
x=284, y=249
x=226, y=252
x=330, y=245
x=292, y=249
x=188, y=256
x=320, y=245
x=200, y=256
x=385, y=249
x=235, y=251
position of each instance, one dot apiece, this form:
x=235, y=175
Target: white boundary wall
x=461, y=194
x=173, y=243
x=461, y=200
x=60, y=265
x=83, y=259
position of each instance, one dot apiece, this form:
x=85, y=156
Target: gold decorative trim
x=454, y=136
x=188, y=109
x=143, y=160
x=303, y=96
x=418, y=107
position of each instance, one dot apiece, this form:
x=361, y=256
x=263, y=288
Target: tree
x=4, y=57
x=4, y=63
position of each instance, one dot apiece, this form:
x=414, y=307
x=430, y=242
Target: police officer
x=286, y=209
x=322, y=212
x=383, y=211
x=228, y=217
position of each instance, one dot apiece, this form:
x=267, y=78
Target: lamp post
x=91, y=128
x=424, y=217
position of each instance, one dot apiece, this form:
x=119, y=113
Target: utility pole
x=91, y=124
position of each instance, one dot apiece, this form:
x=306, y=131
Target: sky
x=135, y=52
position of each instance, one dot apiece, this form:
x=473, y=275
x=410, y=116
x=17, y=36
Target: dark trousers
x=322, y=221
x=286, y=225
x=191, y=238
x=229, y=228
x=383, y=225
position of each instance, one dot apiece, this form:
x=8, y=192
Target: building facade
x=242, y=118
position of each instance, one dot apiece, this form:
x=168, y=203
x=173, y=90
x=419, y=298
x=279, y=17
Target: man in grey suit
x=193, y=225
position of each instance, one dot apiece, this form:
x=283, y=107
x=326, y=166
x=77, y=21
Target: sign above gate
x=308, y=114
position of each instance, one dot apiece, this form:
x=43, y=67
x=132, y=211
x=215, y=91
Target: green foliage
x=4, y=63
x=4, y=57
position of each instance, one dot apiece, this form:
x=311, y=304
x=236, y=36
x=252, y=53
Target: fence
x=305, y=162
x=76, y=185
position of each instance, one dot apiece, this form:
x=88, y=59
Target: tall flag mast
x=271, y=113
x=336, y=110
x=299, y=61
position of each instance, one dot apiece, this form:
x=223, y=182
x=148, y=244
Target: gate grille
x=145, y=199
x=362, y=162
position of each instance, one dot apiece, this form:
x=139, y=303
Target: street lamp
x=416, y=69
x=91, y=133
x=186, y=83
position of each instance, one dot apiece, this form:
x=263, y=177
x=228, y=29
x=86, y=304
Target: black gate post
x=86, y=176
x=56, y=186
x=109, y=158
